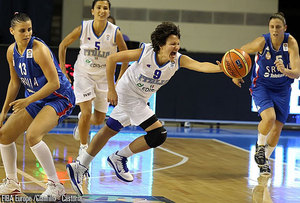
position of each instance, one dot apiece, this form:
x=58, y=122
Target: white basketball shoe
x=119, y=164
x=77, y=173
x=10, y=187
x=54, y=191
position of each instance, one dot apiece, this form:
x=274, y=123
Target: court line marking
x=183, y=161
x=236, y=147
x=26, y=175
x=249, y=178
x=31, y=178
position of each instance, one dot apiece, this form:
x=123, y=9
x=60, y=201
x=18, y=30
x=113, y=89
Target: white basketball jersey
x=145, y=76
x=94, y=50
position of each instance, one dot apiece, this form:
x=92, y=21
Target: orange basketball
x=236, y=63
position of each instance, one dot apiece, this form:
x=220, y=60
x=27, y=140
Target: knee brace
x=156, y=137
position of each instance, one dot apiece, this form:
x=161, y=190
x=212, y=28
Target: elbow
x=56, y=86
x=62, y=47
x=109, y=59
x=297, y=75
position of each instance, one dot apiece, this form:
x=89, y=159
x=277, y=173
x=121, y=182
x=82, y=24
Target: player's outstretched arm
x=206, y=67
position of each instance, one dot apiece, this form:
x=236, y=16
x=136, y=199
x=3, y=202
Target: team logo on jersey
x=140, y=85
x=148, y=65
x=107, y=37
x=29, y=53
x=268, y=55
x=266, y=75
x=89, y=38
x=285, y=47
x=88, y=61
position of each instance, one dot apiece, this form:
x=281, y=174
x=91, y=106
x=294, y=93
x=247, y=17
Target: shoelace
x=124, y=165
x=85, y=173
x=261, y=151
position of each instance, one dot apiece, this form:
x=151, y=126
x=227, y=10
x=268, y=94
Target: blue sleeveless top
x=32, y=76
x=264, y=71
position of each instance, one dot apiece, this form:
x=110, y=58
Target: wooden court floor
x=181, y=170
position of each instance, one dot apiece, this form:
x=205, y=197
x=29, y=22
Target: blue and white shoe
x=119, y=164
x=77, y=172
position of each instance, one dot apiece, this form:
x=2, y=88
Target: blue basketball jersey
x=32, y=76
x=264, y=71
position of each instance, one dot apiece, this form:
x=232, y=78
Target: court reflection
x=285, y=173
x=261, y=193
x=103, y=179
x=285, y=166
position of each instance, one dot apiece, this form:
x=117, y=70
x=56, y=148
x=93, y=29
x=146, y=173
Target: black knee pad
x=156, y=137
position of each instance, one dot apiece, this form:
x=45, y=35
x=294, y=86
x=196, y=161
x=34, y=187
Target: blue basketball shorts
x=279, y=99
x=63, y=105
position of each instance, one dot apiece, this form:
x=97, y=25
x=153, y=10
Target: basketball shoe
x=54, y=191
x=77, y=172
x=265, y=169
x=119, y=164
x=10, y=187
x=76, y=130
x=260, y=157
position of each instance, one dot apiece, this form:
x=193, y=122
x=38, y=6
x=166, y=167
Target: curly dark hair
x=161, y=33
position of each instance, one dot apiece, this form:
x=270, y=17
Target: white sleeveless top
x=94, y=50
x=145, y=76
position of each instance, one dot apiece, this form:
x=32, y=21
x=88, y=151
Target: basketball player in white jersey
x=154, y=66
x=98, y=39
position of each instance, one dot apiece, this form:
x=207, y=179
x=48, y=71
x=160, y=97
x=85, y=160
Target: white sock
x=44, y=156
x=9, y=159
x=85, y=159
x=269, y=150
x=84, y=146
x=126, y=152
x=261, y=139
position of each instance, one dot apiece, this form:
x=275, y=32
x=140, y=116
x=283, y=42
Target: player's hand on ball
x=238, y=81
